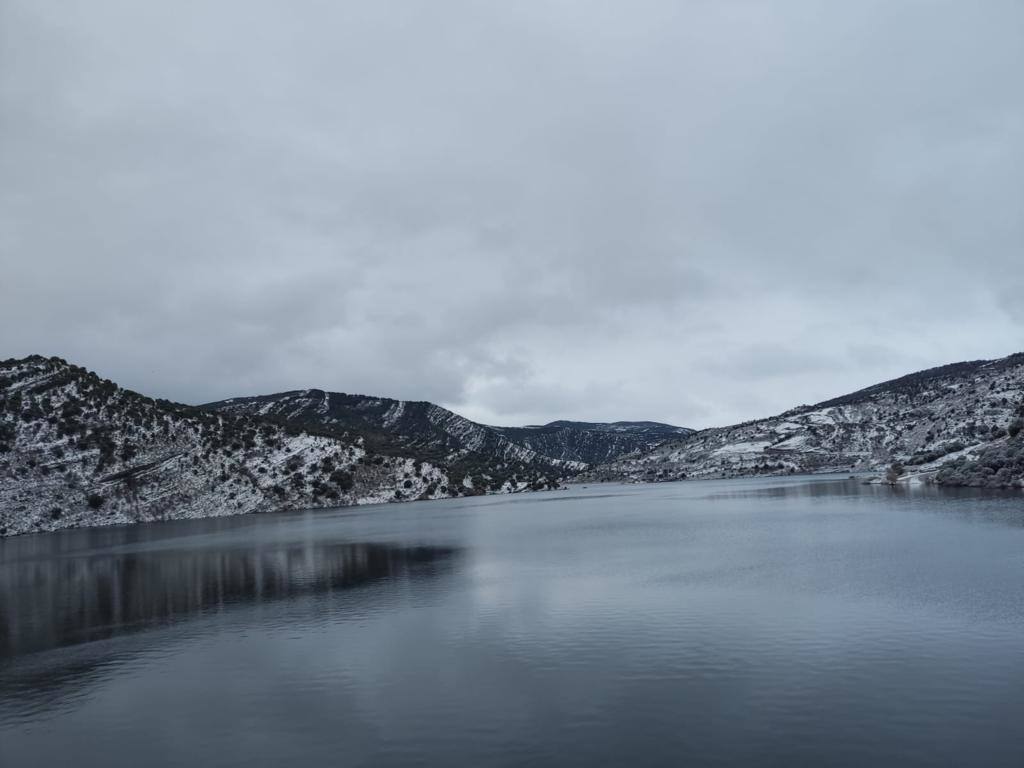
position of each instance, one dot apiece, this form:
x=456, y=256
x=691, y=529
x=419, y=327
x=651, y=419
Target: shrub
x=95, y=501
x=342, y=479
x=894, y=472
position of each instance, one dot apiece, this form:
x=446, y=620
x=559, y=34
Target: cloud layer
x=694, y=212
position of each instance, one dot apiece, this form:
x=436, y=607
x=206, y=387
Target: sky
x=694, y=212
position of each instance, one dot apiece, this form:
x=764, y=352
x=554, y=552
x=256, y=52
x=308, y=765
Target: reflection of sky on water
x=732, y=622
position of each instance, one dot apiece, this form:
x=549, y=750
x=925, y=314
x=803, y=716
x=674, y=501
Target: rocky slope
x=922, y=421
x=78, y=450
x=431, y=432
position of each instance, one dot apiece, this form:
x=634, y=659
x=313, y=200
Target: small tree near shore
x=894, y=473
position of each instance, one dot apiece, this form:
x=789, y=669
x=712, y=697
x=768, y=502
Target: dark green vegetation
x=998, y=466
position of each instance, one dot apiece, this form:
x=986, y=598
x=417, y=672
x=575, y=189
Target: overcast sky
x=694, y=212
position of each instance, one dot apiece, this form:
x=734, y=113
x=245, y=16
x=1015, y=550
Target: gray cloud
x=696, y=212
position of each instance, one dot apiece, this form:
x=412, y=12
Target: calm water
x=771, y=622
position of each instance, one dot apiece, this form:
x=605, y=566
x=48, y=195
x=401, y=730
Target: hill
x=77, y=450
x=434, y=433
x=922, y=420
x=593, y=442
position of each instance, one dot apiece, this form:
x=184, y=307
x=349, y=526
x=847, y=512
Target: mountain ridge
x=921, y=421
x=78, y=450
x=437, y=432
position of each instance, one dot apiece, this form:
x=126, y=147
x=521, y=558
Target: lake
x=779, y=621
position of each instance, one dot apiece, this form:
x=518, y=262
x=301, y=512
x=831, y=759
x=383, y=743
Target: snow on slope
x=77, y=450
x=593, y=442
x=919, y=420
x=428, y=430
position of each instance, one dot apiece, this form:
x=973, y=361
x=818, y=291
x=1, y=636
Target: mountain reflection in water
x=48, y=602
x=766, y=621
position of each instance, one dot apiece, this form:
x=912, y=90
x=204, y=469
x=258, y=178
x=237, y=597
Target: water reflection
x=786, y=488
x=48, y=602
x=839, y=624
x=853, y=485
x=979, y=505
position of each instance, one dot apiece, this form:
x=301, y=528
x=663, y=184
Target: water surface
x=791, y=621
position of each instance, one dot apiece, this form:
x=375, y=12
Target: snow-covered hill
x=593, y=442
x=77, y=450
x=921, y=421
x=429, y=431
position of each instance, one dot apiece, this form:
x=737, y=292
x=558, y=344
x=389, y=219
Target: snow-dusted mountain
x=416, y=427
x=431, y=432
x=593, y=442
x=922, y=421
x=78, y=450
